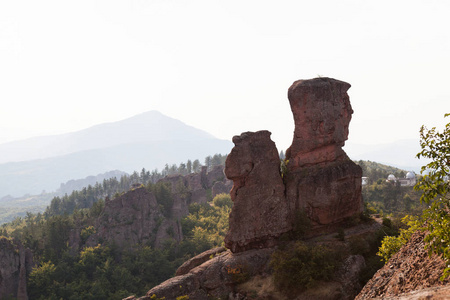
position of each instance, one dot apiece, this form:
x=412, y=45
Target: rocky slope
x=221, y=274
x=15, y=262
x=409, y=274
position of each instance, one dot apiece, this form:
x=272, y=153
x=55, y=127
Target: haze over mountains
x=148, y=140
x=400, y=154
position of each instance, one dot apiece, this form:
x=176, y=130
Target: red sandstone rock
x=198, y=260
x=322, y=113
x=328, y=194
x=260, y=213
x=321, y=179
x=410, y=269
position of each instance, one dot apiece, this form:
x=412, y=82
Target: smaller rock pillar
x=260, y=212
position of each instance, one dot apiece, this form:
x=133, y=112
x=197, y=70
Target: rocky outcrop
x=15, y=262
x=129, y=219
x=228, y=275
x=410, y=270
x=214, y=279
x=198, y=260
x=260, y=212
x=320, y=179
x=136, y=218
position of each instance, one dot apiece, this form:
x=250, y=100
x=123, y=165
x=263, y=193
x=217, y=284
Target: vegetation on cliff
x=435, y=188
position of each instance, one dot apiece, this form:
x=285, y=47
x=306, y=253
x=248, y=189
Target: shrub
x=299, y=267
x=341, y=234
x=392, y=244
x=223, y=200
x=302, y=224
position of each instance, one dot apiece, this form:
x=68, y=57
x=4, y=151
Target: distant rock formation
x=260, y=212
x=136, y=218
x=15, y=262
x=320, y=179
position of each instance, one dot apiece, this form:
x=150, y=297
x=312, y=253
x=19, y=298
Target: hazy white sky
x=221, y=66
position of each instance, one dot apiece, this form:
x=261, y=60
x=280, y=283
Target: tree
x=435, y=190
x=208, y=162
x=196, y=166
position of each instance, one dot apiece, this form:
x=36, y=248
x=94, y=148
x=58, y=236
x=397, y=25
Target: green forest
x=105, y=271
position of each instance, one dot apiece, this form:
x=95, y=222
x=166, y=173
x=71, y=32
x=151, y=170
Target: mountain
x=149, y=140
x=147, y=127
x=400, y=154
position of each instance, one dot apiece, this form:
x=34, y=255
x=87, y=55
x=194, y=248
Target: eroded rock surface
x=214, y=279
x=320, y=179
x=15, y=262
x=260, y=212
x=322, y=113
x=408, y=271
x=136, y=217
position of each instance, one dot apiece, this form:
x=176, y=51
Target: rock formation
x=136, y=218
x=215, y=278
x=410, y=270
x=260, y=213
x=322, y=113
x=320, y=179
x=15, y=262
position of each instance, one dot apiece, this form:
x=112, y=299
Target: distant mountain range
x=148, y=140
x=400, y=154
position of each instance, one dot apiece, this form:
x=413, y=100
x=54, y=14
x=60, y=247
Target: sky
x=221, y=66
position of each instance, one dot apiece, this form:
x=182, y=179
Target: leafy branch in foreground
x=435, y=191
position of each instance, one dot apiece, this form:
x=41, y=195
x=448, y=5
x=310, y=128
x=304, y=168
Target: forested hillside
x=386, y=197
x=76, y=260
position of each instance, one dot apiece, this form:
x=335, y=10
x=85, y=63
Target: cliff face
x=320, y=179
x=15, y=261
x=136, y=217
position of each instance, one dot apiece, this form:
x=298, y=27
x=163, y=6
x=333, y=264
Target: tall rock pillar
x=321, y=179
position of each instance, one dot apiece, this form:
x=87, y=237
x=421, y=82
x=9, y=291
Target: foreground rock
x=15, y=262
x=410, y=270
x=217, y=277
x=247, y=275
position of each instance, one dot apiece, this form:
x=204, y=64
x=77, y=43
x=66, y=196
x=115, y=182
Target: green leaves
x=435, y=188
